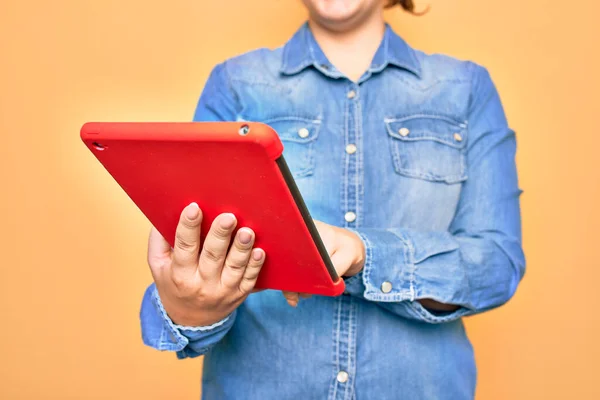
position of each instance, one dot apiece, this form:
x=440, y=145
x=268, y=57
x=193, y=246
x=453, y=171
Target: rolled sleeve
x=161, y=333
x=396, y=274
x=383, y=248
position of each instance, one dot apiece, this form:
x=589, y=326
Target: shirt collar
x=302, y=51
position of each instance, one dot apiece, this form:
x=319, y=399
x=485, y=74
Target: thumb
x=159, y=250
x=342, y=261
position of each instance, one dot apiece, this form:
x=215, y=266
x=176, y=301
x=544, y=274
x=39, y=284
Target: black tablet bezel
x=314, y=233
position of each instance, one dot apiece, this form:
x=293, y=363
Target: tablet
x=235, y=167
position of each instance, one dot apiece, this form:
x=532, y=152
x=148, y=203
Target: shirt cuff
x=391, y=275
x=388, y=273
x=160, y=332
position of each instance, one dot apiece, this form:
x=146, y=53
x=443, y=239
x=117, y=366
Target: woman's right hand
x=201, y=285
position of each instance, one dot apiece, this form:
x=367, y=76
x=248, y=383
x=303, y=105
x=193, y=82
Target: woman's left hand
x=346, y=250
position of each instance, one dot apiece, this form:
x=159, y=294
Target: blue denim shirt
x=417, y=158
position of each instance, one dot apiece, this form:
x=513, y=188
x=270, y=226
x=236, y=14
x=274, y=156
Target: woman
x=408, y=161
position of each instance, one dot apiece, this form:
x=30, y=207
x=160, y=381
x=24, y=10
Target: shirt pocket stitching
x=427, y=128
x=288, y=129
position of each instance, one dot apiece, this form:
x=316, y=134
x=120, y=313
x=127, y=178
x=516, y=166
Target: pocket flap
x=425, y=127
x=295, y=129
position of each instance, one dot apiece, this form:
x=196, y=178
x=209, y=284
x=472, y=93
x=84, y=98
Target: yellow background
x=73, y=246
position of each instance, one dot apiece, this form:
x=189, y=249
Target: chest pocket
x=298, y=136
x=428, y=147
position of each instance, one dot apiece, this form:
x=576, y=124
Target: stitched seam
x=309, y=158
x=429, y=136
x=294, y=71
x=368, y=263
x=287, y=136
x=361, y=165
x=386, y=39
x=168, y=327
x=349, y=350
x=436, y=178
x=397, y=160
x=310, y=47
x=336, y=364
x=304, y=172
x=409, y=252
x=400, y=76
x=284, y=54
x=270, y=85
x=202, y=328
x=305, y=63
x=431, y=115
x=346, y=159
x=395, y=154
x=309, y=139
x=416, y=62
x=441, y=117
x=307, y=153
x=463, y=156
x=292, y=118
x=358, y=130
x=351, y=134
x=352, y=329
x=464, y=150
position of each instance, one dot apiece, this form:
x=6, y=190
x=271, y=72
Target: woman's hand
x=346, y=250
x=201, y=284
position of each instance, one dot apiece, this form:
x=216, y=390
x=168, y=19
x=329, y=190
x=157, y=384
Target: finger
x=187, y=239
x=341, y=262
x=215, y=247
x=237, y=258
x=252, y=271
x=305, y=295
x=159, y=251
x=291, y=298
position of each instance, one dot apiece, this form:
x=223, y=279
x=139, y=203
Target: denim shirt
x=417, y=158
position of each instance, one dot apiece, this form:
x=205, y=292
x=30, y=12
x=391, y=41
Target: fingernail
x=245, y=236
x=192, y=211
x=227, y=221
x=257, y=254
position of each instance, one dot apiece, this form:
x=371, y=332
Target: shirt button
x=403, y=131
x=351, y=149
x=350, y=216
x=458, y=137
x=342, y=377
x=386, y=287
x=351, y=94
x=303, y=133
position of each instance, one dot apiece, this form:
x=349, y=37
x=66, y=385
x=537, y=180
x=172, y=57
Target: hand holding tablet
x=226, y=168
x=201, y=284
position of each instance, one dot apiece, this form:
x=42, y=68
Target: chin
x=333, y=12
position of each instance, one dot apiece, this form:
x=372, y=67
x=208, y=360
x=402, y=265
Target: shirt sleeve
x=159, y=332
x=217, y=102
x=478, y=263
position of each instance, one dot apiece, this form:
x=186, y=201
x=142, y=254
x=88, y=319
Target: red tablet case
x=232, y=167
